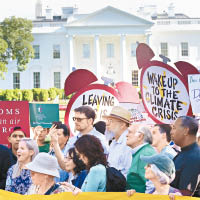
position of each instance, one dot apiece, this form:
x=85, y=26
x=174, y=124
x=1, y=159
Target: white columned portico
x=71, y=52
x=123, y=58
x=97, y=57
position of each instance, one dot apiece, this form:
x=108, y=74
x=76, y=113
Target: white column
x=71, y=53
x=97, y=57
x=148, y=34
x=123, y=58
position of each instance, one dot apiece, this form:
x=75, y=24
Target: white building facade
x=103, y=42
x=177, y=39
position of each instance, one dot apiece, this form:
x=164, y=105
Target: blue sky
x=26, y=8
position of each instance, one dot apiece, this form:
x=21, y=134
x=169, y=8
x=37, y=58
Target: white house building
x=103, y=42
x=174, y=35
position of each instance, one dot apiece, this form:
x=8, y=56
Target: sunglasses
x=78, y=119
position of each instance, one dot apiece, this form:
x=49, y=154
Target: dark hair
x=91, y=147
x=100, y=126
x=17, y=128
x=87, y=110
x=59, y=125
x=165, y=128
x=80, y=166
x=190, y=123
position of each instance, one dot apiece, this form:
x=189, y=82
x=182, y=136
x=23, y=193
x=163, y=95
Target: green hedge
x=8, y=95
x=27, y=95
x=35, y=94
x=52, y=93
x=1, y=94
x=44, y=95
x=60, y=93
x=17, y=95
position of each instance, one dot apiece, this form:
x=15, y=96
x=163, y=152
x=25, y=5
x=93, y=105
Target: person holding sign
x=61, y=134
x=187, y=162
x=84, y=117
x=40, y=135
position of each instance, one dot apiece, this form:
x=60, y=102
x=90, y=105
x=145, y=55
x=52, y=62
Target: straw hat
x=119, y=112
x=45, y=164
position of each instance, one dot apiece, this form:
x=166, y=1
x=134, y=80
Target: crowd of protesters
x=158, y=159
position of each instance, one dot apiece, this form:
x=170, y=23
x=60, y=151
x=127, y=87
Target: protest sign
x=138, y=113
x=12, y=114
x=43, y=114
x=164, y=93
x=89, y=195
x=100, y=97
x=194, y=92
x=164, y=90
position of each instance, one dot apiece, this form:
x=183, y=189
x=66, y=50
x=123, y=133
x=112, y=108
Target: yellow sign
x=4, y=195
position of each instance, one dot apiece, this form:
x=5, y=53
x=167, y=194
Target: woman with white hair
x=160, y=170
x=18, y=176
x=44, y=168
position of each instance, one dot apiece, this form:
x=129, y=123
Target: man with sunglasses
x=84, y=117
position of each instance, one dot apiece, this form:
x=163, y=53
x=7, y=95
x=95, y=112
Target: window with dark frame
x=16, y=80
x=36, y=51
x=164, y=48
x=135, y=79
x=56, y=51
x=36, y=79
x=57, y=80
x=184, y=49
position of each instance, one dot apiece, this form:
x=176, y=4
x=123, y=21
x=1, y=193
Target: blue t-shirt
x=95, y=181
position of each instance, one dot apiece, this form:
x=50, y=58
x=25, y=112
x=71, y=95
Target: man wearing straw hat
x=120, y=155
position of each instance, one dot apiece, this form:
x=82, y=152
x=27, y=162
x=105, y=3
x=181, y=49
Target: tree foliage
x=15, y=43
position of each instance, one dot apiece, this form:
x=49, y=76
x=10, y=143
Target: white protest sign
x=194, y=92
x=164, y=94
x=100, y=97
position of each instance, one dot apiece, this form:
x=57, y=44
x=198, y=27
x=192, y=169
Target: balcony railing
x=178, y=22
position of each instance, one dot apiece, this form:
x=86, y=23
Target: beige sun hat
x=119, y=112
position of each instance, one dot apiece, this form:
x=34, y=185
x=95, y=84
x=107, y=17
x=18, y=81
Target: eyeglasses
x=78, y=119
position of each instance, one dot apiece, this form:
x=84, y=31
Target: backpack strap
x=52, y=188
